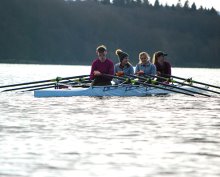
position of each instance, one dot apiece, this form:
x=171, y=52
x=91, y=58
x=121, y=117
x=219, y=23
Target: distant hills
x=68, y=32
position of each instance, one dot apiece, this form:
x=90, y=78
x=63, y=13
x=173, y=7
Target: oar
x=172, y=86
x=52, y=86
x=167, y=85
x=41, y=88
x=49, y=84
x=49, y=80
x=149, y=85
x=190, y=85
x=27, y=87
x=192, y=81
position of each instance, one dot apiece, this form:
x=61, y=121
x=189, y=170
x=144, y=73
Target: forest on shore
x=68, y=32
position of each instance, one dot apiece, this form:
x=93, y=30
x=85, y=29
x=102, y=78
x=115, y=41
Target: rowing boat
x=80, y=86
x=100, y=91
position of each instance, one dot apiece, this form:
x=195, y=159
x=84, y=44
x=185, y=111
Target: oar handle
x=112, y=76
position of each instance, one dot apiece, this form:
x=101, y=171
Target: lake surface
x=174, y=135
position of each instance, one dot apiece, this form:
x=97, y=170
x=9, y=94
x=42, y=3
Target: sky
x=205, y=3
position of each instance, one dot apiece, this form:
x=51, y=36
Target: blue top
x=127, y=69
x=148, y=68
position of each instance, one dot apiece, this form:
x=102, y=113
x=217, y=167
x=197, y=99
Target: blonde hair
x=155, y=58
x=145, y=54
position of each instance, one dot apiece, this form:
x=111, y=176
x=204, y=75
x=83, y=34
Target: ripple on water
x=172, y=135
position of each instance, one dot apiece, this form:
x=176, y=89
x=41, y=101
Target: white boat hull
x=99, y=91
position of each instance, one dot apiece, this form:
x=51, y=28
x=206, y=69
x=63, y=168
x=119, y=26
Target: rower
x=124, y=67
x=101, y=65
x=145, y=66
x=162, y=65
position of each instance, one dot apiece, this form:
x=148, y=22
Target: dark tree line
x=68, y=32
x=147, y=4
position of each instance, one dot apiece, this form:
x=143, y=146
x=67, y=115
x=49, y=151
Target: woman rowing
x=162, y=65
x=124, y=67
x=101, y=68
x=145, y=67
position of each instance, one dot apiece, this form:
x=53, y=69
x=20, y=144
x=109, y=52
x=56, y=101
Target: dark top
x=106, y=67
x=164, y=69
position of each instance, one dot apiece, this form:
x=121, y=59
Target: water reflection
x=121, y=137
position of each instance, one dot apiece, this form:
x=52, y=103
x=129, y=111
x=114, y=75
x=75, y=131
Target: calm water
x=175, y=135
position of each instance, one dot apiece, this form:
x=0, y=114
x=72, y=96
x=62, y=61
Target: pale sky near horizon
x=205, y=3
